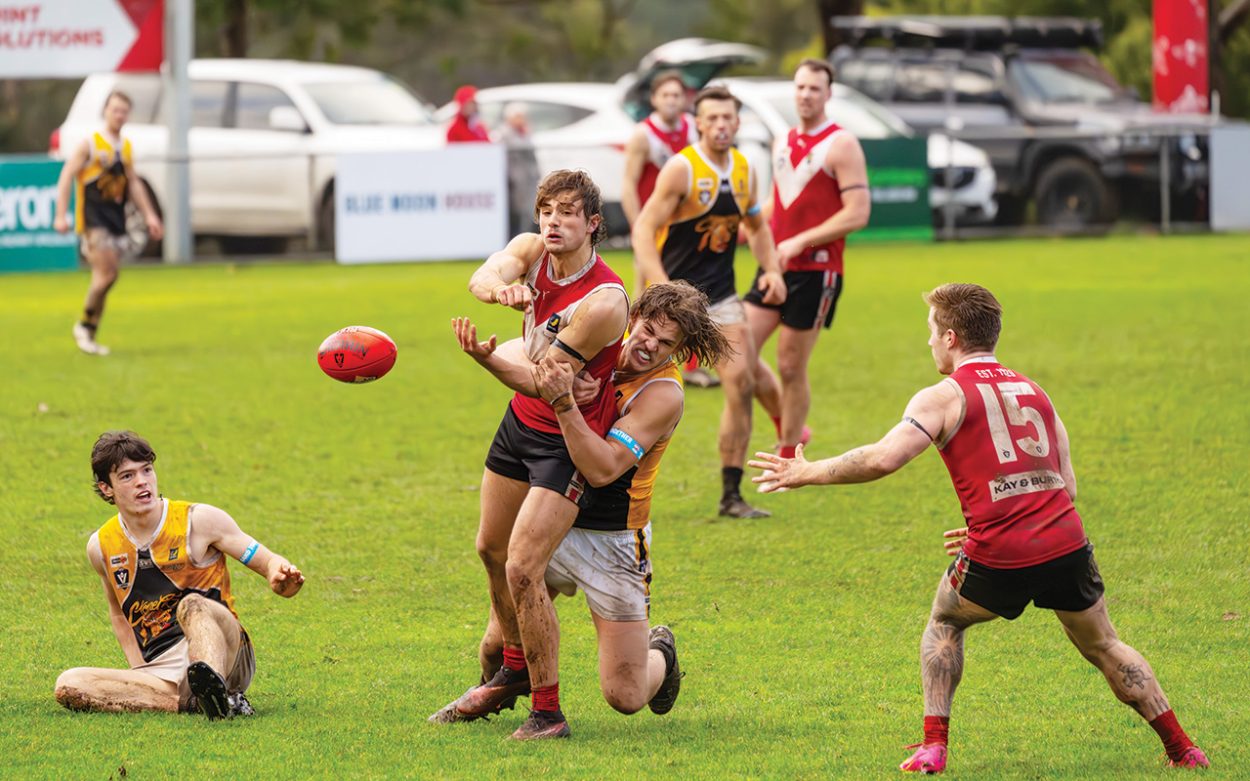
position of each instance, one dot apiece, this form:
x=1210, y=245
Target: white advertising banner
x=438, y=204
x=65, y=38
x=1230, y=178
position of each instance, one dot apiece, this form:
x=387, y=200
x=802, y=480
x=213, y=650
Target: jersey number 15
x=1004, y=445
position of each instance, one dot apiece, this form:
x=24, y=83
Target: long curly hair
x=685, y=306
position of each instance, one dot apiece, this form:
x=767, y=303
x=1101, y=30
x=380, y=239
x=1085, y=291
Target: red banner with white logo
x=68, y=38
x=1181, y=56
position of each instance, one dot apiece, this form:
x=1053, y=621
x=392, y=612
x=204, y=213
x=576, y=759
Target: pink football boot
x=1192, y=758
x=930, y=759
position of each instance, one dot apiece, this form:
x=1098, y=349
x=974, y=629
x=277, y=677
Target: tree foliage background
x=435, y=45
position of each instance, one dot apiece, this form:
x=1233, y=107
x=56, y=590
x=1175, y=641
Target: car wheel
x=1071, y=194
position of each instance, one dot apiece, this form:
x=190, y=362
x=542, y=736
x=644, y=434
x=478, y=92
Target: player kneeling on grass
x=168, y=593
x=1007, y=453
x=607, y=552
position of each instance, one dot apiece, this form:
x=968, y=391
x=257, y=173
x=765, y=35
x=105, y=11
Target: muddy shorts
x=613, y=568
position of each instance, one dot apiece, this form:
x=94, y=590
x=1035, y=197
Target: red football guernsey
x=805, y=194
x=555, y=301
x=1004, y=462
x=661, y=145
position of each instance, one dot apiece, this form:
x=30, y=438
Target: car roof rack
x=984, y=33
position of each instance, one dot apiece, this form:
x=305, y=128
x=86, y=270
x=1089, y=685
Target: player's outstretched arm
x=223, y=533
x=73, y=166
x=121, y=627
x=599, y=321
x=509, y=364
x=923, y=422
x=671, y=187
x=495, y=280
x=845, y=160
x=635, y=162
x=602, y=460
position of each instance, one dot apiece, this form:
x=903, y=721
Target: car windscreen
x=373, y=102
x=1064, y=78
x=863, y=119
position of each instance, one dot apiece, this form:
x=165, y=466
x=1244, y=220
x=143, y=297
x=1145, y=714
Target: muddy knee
x=523, y=576
x=190, y=607
x=624, y=702
x=70, y=690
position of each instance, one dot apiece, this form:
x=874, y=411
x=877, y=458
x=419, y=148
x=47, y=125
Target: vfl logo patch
x=553, y=323
x=122, y=578
x=173, y=553
x=705, y=197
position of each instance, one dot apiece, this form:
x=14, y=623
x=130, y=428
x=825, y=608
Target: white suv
x=263, y=139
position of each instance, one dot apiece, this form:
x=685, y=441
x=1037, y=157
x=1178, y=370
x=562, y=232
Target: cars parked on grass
x=263, y=139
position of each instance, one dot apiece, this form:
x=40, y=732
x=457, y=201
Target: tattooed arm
x=924, y=420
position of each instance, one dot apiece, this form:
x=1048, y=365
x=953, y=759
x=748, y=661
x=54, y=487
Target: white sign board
x=438, y=204
x=1230, y=178
x=64, y=38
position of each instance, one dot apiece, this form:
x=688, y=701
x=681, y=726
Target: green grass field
x=799, y=633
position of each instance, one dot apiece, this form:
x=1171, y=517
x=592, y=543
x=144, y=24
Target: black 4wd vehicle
x=1058, y=128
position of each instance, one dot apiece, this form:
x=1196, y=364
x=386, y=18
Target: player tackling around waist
x=607, y=553
x=168, y=592
x=1007, y=452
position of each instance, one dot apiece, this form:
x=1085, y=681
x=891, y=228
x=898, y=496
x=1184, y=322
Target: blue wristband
x=250, y=552
x=754, y=210
x=629, y=442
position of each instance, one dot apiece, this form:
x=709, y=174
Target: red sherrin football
x=357, y=353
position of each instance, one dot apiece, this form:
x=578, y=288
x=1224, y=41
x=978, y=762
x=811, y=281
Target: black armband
x=916, y=423
x=573, y=353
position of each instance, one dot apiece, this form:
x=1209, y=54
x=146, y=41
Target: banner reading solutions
x=64, y=38
x=898, y=178
x=439, y=204
x=27, y=206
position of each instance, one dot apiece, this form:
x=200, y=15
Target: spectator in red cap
x=466, y=126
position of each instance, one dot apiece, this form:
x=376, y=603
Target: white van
x=263, y=139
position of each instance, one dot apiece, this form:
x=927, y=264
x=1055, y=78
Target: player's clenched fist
x=519, y=297
x=286, y=580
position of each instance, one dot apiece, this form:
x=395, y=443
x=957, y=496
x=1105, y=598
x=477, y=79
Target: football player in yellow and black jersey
x=103, y=171
x=607, y=552
x=168, y=593
x=689, y=230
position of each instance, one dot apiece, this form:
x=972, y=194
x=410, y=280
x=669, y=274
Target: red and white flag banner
x=1181, y=57
x=70, y=38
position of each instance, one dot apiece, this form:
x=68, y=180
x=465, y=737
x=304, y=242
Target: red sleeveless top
x=1004, y=462
x=555, y=301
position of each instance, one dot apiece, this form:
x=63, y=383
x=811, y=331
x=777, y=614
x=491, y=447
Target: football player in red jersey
x=820, y=195
x=1007, y=453
x=576, y=311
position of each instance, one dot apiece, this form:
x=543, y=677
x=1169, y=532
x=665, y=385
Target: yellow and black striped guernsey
x=102, y=187
x=150, y=582
x=698, y=245
x=626, y=503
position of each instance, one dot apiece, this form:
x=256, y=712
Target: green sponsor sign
x=27, y=206
x=898, y=178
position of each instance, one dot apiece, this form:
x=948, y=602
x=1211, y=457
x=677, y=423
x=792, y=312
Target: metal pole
x=176, y=91
x=1165, y=186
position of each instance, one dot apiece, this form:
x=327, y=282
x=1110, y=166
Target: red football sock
x=693, y=363
x=777, y=423
x=546, y=697
x=935, y=728
x=787, y=451
x=1175, y=741
x=513, y=658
